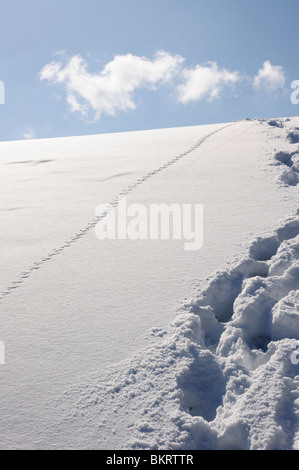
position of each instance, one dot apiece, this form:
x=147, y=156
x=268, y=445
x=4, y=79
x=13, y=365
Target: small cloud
x=28, y=134
x=270, y=77
x=112, y=89
x=205, y=81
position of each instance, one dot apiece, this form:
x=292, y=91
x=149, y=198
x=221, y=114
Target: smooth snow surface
x=123, y=344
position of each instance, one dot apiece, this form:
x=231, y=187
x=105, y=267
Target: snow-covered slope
x=139, y=344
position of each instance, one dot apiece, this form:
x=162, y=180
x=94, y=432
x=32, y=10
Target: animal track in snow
x=92, y=224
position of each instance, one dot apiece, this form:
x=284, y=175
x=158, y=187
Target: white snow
x=123, y=344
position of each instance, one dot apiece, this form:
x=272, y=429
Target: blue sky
x=74, y=67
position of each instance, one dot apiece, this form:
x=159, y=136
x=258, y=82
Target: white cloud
x=205, y=81
x=270, y=77
x=112, y=89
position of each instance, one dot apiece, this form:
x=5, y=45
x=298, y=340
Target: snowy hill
x=140, y=344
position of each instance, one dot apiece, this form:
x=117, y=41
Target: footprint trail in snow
x=92, y=224
x=223, y=375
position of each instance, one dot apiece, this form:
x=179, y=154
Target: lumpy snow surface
x=123, y=344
